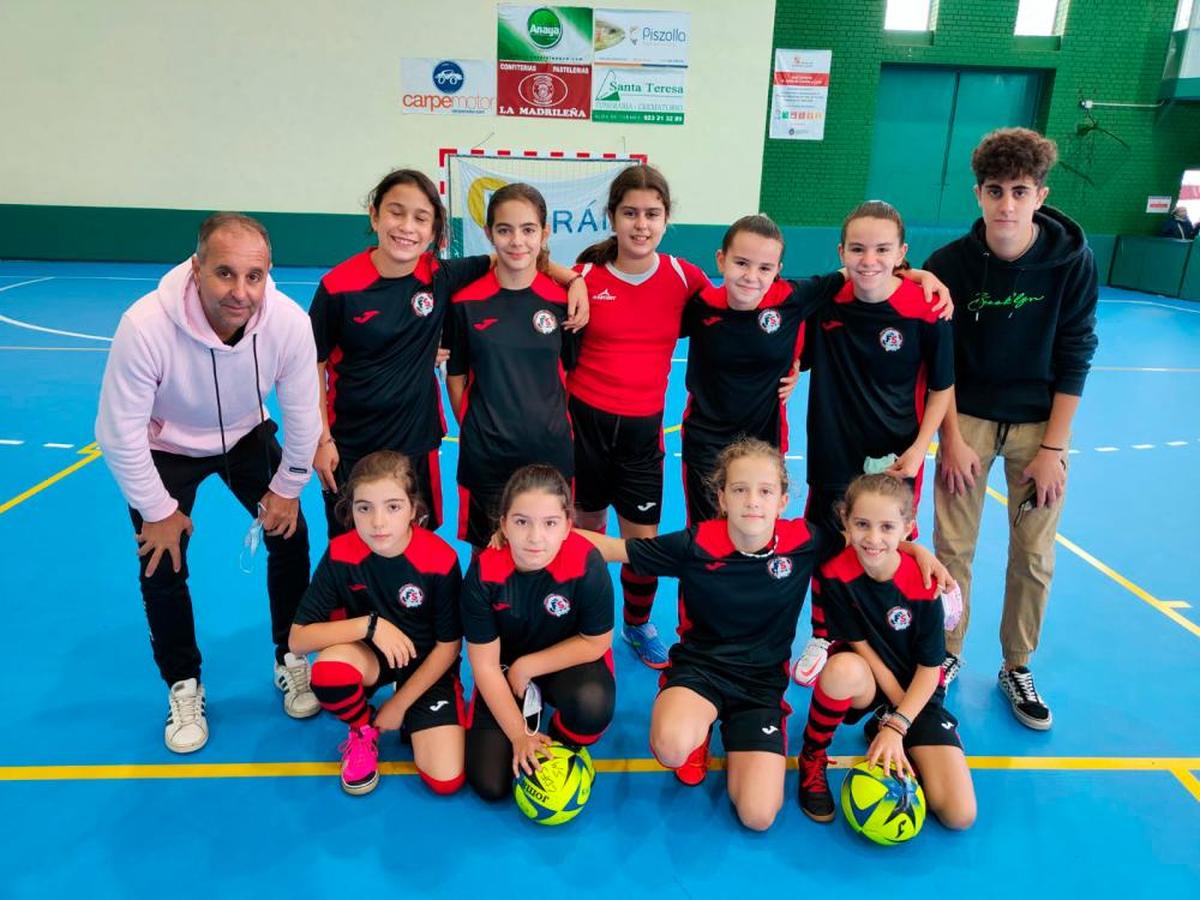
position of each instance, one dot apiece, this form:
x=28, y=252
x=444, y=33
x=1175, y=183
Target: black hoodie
x=1023, y=330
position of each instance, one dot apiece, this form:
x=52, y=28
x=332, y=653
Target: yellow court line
x=1177, y=766
x=1139, y=592
x=91, y=453
x=1189, y=781
x=1177, y=604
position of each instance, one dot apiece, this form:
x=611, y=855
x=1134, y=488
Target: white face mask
x=532, y=706
x=251, y=542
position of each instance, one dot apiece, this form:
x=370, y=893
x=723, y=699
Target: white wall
x=276, y=105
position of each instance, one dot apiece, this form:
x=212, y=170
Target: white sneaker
x=187, y=729
x=299, y=701
x=811, y=662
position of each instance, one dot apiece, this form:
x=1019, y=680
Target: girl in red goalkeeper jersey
x=637, y=297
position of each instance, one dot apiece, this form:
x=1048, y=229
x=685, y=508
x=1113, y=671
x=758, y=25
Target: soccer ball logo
x=891, y=340
x=899, y=618
x=769, y=320
x=779, y=567
x=557, y=605
x=544, y=321
x=422, y=303
x=411, y=596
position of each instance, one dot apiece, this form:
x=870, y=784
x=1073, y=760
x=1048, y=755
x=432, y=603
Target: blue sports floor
x=1108, y=802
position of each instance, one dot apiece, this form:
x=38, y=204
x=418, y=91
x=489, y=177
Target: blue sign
x=448, y=76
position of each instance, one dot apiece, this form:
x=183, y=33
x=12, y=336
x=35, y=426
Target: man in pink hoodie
x=182, y=399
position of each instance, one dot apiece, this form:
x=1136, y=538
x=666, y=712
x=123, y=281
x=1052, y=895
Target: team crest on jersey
x=769, y=320
x=544, y=321
x=411, y=596
x=899, y=618
x=779, y=567
x=422, y=303
x=557, y=605
x=891, y=340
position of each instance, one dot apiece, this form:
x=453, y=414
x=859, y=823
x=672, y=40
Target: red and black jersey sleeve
x=325, y=315
x=458, y=273
x=327, y=592
x=475, y=604
x=595, y=593
x=665, y=554
x=839, y=610
x=438, y=563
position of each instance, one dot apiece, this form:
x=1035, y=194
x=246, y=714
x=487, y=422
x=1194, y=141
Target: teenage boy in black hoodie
x=1023, y=338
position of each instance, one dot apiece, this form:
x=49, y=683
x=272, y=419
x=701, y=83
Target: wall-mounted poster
x=639, y=72
x=450, y=87
x=543, y=61
x=799, y=94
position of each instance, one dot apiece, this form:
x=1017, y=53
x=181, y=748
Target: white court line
x=19, y=324
x=59, y=446
x=1195, y=312
x=76, y=334
x=1176, y=443
x=38, y=280
x=118, y=278
x=8, y=442
x=1106, y=449
x=60, y=349
x=1143, y=446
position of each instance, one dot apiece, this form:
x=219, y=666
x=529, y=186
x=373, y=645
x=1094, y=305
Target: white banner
x=576, y=194
x=799, y=94
x=448, y=87
x=632, y=36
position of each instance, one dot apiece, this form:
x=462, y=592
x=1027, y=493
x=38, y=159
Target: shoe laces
x=297, y=677
x=186, y=709
x=1022, y=682
x=359, y=747
x=812, y=771
x=815, y=648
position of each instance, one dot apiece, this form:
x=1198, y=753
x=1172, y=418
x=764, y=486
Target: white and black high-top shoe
x=1027, y=704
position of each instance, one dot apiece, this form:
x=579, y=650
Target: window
x=1189, y=194
x=1183, y=15
x=908, y=15
x=1040, y=17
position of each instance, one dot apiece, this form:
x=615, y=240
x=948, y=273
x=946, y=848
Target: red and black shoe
x=695, y=768
x=815, y=797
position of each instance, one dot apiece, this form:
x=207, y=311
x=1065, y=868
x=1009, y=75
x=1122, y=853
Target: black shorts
x=698, y=492
x=934, y=725
x=478, y=514
x=429, y=482
x=441, y=704
x=752, y=716
x=558, y=690
x=618, y=463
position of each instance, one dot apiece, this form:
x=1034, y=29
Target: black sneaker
x=950, y=666
x=1027, y=704
x=815, y=798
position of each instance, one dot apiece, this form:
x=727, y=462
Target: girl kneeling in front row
x=742, y=581
x=538, y=617
x=889, y=643
x=383, y=608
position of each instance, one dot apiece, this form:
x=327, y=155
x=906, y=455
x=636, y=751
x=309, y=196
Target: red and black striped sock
x=825, y=714
x=638, y=592
x=818, y=619
x=339, y=689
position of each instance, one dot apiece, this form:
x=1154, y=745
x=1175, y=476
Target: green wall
x=1110, y=52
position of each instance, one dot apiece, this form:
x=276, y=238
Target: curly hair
x=1009, y=153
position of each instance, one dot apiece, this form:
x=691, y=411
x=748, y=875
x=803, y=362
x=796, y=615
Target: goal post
x=575, y=185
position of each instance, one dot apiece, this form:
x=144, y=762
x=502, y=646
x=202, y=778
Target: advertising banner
x=449, y=87
x=799, y=94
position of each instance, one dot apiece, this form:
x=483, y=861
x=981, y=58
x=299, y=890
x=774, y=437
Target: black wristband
x=372, y=621
x=1048, y=447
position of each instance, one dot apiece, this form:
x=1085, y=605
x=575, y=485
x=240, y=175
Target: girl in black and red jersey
x=742, y=582
x=881, y=382
x=508, y=358
x=377, y=319
x=637, y=298
x=383, y=608
x=889, y=628
x=537, y=613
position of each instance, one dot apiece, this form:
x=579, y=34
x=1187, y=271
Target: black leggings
x=583, y=698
